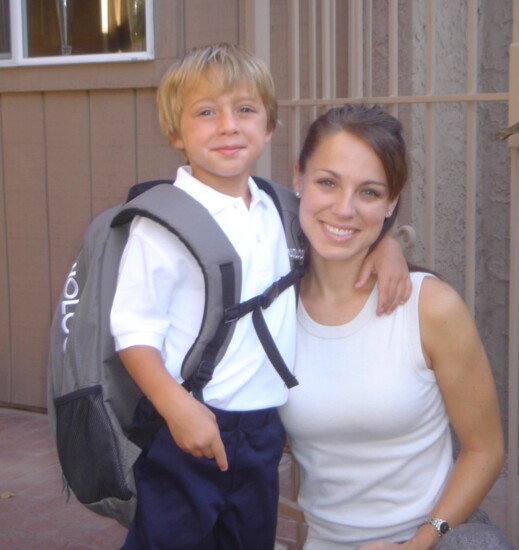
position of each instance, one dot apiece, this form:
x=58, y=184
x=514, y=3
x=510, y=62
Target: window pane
x=80, y=27
x=5, y=35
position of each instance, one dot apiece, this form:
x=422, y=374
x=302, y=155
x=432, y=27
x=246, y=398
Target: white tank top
x=368, y=426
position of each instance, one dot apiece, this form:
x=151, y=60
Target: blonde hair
x=233, y=65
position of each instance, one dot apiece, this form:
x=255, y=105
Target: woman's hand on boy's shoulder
x=388, y=263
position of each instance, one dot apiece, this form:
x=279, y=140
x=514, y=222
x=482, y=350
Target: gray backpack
x=92, y=399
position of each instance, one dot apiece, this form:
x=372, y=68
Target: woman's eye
x=325, y=182
x=371, y=193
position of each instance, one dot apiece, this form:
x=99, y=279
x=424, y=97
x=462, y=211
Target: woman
x=369, y=421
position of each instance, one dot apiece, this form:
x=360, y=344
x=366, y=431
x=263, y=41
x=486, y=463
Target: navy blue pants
x=187, y=503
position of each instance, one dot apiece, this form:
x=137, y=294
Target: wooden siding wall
x=72, y=140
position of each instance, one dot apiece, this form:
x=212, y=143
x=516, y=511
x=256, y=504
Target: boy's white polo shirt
x=159, y=299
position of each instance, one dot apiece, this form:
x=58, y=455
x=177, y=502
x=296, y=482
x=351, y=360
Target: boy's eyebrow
x=249, y=96
x=207, y=99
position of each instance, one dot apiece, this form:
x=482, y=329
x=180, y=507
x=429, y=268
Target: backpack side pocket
x=88, y=449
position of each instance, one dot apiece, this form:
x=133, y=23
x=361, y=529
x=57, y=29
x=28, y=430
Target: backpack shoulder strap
x=139, y=188
x=186, y=218
x=288, y=207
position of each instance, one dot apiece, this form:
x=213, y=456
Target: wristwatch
x=439, y=524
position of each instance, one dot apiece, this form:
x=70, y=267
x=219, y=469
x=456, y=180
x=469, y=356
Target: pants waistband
x=244, y=419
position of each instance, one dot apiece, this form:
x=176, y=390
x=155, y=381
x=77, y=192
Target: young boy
x=210, y=480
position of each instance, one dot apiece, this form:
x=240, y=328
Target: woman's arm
x=454, y=351
x=387, y=262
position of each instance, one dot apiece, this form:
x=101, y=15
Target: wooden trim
x=99, y=76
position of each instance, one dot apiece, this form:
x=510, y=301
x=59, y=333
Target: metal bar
x=430, y=146
x=257, y=36
x=393, y=53
x=513, y=354
x=19, y=39
x=327, y=72
x=355, y=49
x=333, y=48
x=513, y=311
x=312, y=60
x=294, y=78
x=368, y=46
x=408, y=100
x=471, y=154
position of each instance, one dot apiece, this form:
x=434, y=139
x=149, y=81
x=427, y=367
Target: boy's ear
x=176, y=140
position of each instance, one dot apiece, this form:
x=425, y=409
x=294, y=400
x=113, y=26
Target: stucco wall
x=449, y=147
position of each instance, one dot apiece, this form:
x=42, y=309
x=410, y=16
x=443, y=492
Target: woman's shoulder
x=440, y=304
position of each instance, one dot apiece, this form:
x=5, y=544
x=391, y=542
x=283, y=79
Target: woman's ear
x=391, y=207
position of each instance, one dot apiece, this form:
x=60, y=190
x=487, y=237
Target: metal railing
x=320, y=36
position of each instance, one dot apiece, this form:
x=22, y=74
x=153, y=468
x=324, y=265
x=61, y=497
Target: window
x=5, y=35
x=35, y=32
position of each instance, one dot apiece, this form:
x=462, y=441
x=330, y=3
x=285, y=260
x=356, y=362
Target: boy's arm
x=387, y=262
x=192, y=425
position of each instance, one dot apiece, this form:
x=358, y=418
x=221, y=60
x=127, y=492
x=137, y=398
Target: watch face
x=444, y=527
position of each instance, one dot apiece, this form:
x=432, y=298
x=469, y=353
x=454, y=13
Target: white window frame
x=18, y=34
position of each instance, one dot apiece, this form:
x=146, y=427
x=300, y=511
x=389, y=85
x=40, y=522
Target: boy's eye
x=246, y=109
x=205, y=112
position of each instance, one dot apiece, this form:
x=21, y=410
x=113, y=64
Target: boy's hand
x=387, y=262
x=194, y=429
x=192, y=425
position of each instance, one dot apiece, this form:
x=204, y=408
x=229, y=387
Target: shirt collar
x=213, y=200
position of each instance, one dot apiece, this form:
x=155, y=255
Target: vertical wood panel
x=169, y=32
x=208, y=22
x=156, y=159
x=113, y=146
x=5, y=329
x=68, y=155
x=68, y=172
x=26, y=215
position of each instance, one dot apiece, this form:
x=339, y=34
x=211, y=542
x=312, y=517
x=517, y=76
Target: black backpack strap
x=255, y=306
x=139, y=188
x=265, y=299
x=266, y=186
x=288, y=207
x=203, y=373
x=271, y=349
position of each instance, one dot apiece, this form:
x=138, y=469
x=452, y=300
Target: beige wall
x=72, y=140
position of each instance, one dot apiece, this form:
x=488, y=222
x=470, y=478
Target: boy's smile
x=222, y=134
